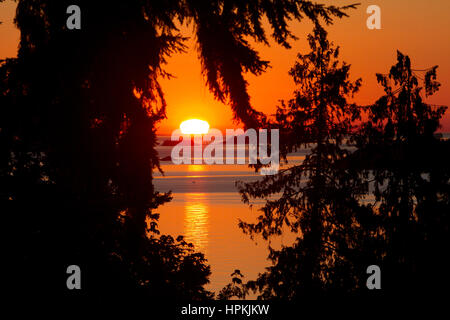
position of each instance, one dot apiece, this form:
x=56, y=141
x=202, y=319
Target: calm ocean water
x=206, y=209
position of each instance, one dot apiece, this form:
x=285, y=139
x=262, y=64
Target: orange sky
x=418, y=28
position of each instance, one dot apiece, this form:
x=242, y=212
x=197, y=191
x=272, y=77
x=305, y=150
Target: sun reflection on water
x=196, y=222
x=196, y=167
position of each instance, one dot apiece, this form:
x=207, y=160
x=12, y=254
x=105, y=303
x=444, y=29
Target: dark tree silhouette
x=386, y=202
x=318, y=198
x=398, y=148
x=79, y=109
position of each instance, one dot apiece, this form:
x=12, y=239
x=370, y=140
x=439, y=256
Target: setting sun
x=194, y=126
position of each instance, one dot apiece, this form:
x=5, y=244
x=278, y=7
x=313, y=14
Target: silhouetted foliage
x=318, y=198
x=385, y=201
x=79, y=110
x=410, y=170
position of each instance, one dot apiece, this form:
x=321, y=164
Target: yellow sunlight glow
x=194, y=126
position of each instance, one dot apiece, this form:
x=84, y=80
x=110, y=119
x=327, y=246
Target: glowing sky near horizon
x=418, y=28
